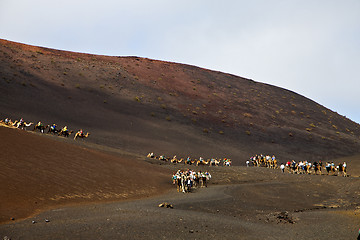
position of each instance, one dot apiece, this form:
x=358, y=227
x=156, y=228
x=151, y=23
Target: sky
x=311, y=47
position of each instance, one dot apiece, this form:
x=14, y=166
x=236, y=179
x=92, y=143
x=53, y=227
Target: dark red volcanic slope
x=39, y=173
x=142, y=105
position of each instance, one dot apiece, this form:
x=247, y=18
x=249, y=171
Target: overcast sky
x=311, y=47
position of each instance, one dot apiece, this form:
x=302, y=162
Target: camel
x=180, y=160
x=307, y=169
x=317, y=168
x=294, y=167
x=214, y=162
x=163, y=158
x=40, y=127
x=52, y=129
x=201, y=161
x=255, y=162
x=227, y=162
x=65, y=133
x=341, y=169
x=7, y=123
x=174, y=160
x=181, y=183
x=22, y=125
x=151, y=155
x=330, y=168
x=80, y=134
x=273, y=164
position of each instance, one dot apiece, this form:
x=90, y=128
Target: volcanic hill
x=141, y=105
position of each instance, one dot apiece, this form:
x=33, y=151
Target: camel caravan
x=189, y=161
x=21, y=124
x=305, y=167
x=263, y=161
x=52, y=129
x=301, y=167
x=187, y=180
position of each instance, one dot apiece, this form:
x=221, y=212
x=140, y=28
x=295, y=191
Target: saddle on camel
x=80, y=134
x=40, y=126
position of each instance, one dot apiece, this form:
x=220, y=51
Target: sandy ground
x=240, y=203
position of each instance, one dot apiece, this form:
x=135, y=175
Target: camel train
x=64, y=132
x=305, y=167
x=21, y=124
x=302, y=167
x=198, y=162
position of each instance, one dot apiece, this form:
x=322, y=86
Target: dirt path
x=217, y=212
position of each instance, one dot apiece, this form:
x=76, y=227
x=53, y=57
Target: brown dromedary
x=81, y=134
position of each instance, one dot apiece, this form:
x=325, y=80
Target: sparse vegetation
x=247, y=115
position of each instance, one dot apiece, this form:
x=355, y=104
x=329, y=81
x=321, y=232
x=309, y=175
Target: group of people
x=186, y=180
x=301, y=167
x=53, y=128
x=191, y=161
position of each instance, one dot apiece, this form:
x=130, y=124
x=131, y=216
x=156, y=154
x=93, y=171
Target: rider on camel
x=65, y=129
x=53, y=127
x=81, y=133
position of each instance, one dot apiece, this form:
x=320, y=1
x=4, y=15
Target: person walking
x=282, y=167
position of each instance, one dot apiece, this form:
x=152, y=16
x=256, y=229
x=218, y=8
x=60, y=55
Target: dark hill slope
x=38, y=173
x=144, y=105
